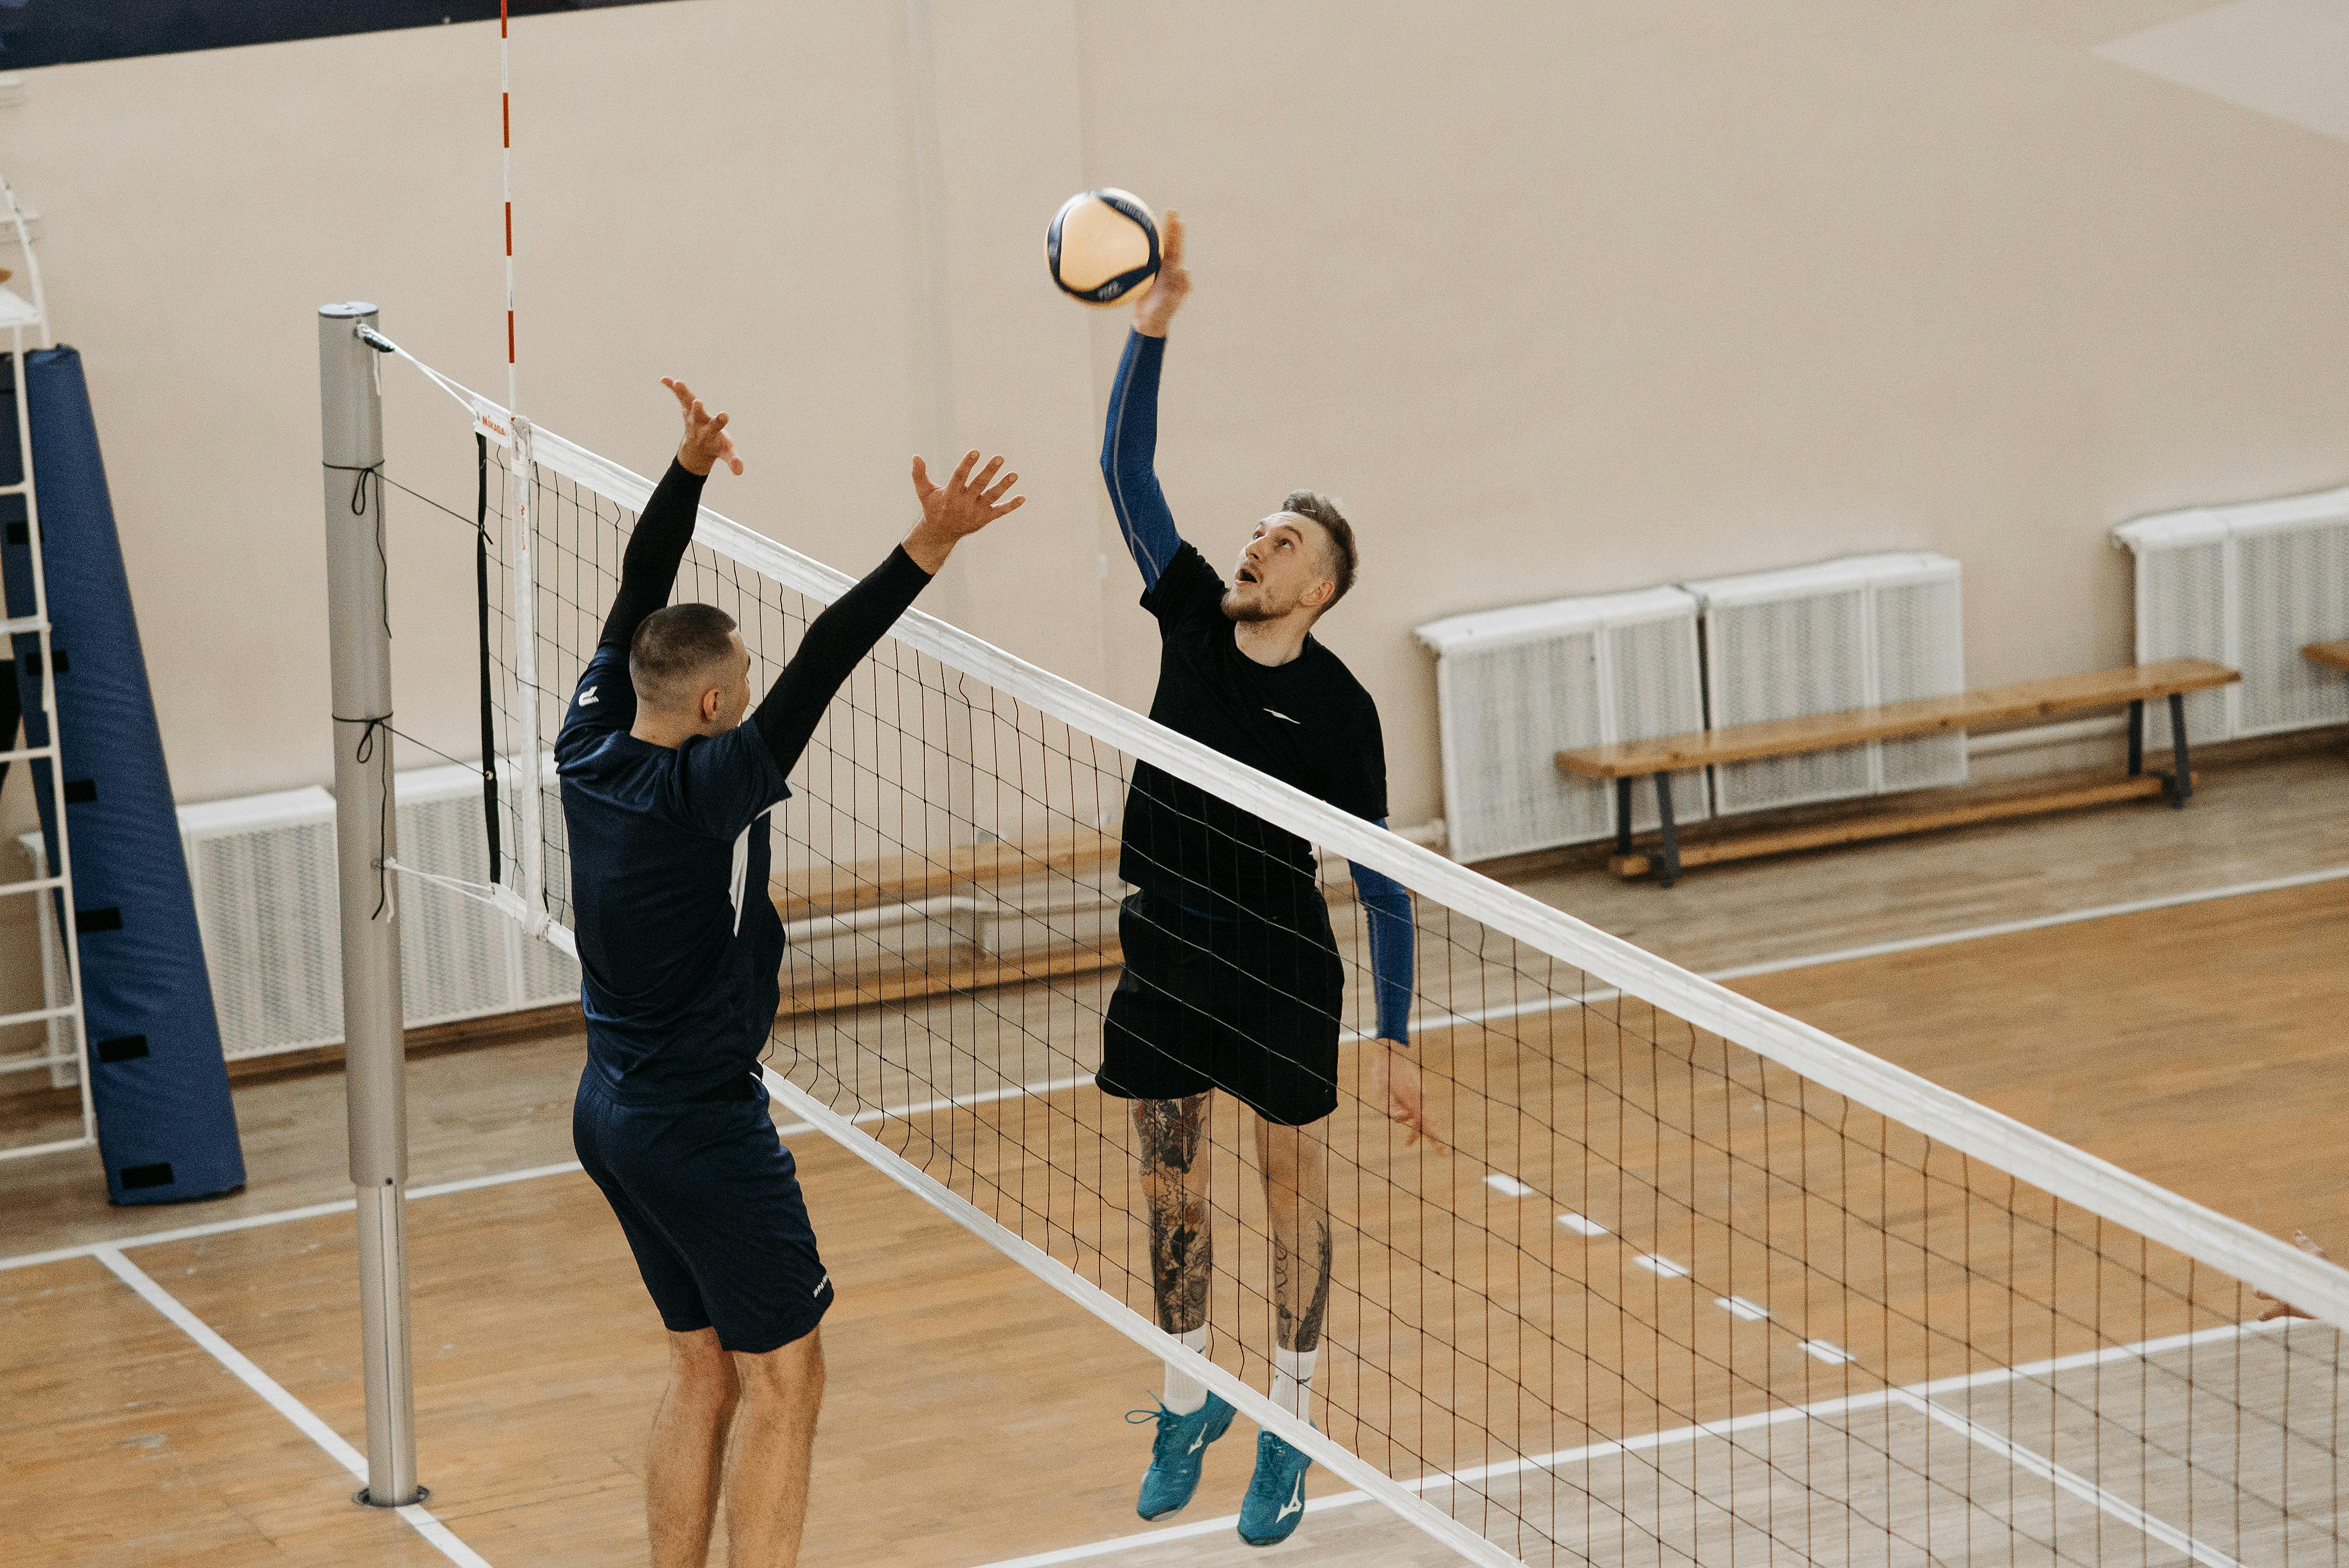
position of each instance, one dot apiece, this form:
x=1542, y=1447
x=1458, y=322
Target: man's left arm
x=1393, y=939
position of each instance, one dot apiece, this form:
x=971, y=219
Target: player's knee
x=699, y=1363
x=790, y=1376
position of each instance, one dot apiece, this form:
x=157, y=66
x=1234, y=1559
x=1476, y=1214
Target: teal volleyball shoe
x=1176, y=1454
x=1276, y=1493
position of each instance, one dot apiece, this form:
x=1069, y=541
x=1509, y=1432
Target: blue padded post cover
x=166, y=1129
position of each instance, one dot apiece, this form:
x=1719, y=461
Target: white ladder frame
x=67, y=1054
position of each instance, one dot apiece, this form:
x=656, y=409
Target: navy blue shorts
x=1247, y=1005
x=709, y=1200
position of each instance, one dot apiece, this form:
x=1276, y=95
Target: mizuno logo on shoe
x=1295, y=1503
x=1198, y=1442
x=587, y=698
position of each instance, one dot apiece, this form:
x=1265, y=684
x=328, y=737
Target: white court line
x=279, y=1217
x=1679, y=1437
x=420, y=1518
x=2078, y=1485
x=1874, y=950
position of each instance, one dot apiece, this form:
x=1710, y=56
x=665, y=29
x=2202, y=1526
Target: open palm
x=967, y=502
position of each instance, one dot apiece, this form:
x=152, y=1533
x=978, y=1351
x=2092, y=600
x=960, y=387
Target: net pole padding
x=2056, y=1167
x=1256, y=1407
x=375, y=1055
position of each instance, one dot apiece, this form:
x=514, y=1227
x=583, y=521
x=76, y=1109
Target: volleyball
x=1103, y=246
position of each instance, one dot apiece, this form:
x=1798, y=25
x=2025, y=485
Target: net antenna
x=1699, y=1282
x=513, y=431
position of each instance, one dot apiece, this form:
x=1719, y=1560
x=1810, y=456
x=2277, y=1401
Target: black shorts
x=1247, y=1006
x=709, y=1200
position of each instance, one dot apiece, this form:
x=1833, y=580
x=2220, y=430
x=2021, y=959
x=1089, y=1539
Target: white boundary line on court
x=415, y=1515
x=1914, y=1396
x=1437, y=1020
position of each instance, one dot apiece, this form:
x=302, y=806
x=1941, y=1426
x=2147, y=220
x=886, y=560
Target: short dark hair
x=675, y=644
x=1345, y=559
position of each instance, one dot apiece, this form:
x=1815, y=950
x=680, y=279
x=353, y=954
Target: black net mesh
x=1659, y=1300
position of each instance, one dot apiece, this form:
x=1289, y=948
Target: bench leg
x=1623, y=815
x=2181, y=783
x=2137, y=737
x=1671, y=866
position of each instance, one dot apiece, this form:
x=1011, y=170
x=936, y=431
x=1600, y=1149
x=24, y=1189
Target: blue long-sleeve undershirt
x=1129, y=450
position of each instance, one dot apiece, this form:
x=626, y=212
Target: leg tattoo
x=1297, y=1193
x=1297, y=1319
x=1174, y=1183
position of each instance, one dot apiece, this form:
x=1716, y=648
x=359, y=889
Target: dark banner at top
x=57, y=32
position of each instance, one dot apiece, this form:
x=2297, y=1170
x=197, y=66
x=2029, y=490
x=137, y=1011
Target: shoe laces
x=1268, y=1481
x=1167, y=1421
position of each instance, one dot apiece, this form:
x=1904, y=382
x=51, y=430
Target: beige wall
x=1560, y=297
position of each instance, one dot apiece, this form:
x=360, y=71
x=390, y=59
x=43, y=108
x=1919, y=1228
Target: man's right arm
x=1130, y=444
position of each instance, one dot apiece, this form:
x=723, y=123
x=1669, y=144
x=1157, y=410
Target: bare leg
x=688, y=1450
x=1296, y=1164
x=767, y=1473
x=1173, y=1148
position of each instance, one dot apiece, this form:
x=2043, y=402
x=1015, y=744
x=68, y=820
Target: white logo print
x=1295, y=1503
x=820, y=1284
x=1198, y=1442
x=1278, y=713
x=587, y=698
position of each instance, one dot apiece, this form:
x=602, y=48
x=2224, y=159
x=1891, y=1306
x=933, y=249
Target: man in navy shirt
x=666, y=792
x=1232, y=978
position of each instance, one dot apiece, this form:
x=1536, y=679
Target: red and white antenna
x=505, y=116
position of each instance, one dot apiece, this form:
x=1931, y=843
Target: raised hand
x=953, y=512
x=1171, y=287
x=706, y=442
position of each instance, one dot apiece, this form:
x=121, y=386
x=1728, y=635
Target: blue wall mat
x=165, y=1125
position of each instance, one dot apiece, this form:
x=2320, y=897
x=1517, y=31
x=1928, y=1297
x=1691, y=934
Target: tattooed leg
x=1173, y=1148
x=1295, y=1165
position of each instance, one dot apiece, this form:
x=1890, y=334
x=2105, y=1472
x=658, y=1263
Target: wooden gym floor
x=973, y=1417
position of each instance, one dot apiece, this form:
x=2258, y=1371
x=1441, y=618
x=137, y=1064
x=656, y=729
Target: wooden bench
x=2331, y=655
x=1625, y=762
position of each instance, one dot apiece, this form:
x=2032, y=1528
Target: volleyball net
x=1692, y=1282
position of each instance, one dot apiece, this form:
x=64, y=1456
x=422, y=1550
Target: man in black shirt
x=666, y=792
x=1232, y=977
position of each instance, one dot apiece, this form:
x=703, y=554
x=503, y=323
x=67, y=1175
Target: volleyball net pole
x=374, y=1052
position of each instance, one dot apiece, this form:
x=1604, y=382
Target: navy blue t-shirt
x=680, y=950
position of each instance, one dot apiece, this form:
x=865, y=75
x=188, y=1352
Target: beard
x=1235, y=608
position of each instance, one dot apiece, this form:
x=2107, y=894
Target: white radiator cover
x=263, y=871
x=1839, y=634
x=1516, y=686
x=2249, y=586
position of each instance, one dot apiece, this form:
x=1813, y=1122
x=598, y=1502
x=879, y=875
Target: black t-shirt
x=681, y=948
x=1308, y=722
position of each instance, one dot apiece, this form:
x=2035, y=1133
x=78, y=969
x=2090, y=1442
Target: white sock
x=1185, y=1393
x=1292, y=1381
